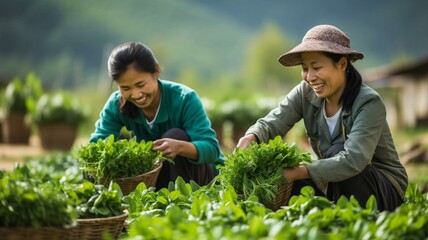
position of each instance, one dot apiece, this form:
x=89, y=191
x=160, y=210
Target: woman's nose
x=135, y=93
x=311, y=76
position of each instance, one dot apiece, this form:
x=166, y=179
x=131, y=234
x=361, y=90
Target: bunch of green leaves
x=219, y=215
x=57, y=107
x=96, y=201
x=258, y=169
x=107, y=159
x=29, y=203
x=58, y=167
x=18, y=92
x=156, y=203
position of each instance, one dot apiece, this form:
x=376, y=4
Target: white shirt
x=153, y=120
x=331, y=121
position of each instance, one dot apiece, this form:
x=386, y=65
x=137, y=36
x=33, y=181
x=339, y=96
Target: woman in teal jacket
x=167, y=113
x=345, y=121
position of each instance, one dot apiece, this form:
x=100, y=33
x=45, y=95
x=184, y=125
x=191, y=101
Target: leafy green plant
x=18, y=92
x=257, y=170
x=96, y=201
x=29, y=203
x=107, y=159
x=58, y=107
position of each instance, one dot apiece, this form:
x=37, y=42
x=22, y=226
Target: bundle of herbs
x=258, y=169
x=107, y=159
x=95, y=200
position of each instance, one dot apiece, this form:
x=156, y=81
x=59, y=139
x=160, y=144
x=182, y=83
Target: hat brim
x=293, y=58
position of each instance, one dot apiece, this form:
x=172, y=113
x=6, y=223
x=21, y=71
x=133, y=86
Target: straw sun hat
x=321, y=38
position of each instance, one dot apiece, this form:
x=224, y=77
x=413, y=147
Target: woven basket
x=95, y=228
x=281, y=198
x=43, y=233
x=129, y=184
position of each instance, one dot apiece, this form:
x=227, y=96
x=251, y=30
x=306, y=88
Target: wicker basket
x=95, y=228
x=130, y=183
x=281, y=198
x=43, y=233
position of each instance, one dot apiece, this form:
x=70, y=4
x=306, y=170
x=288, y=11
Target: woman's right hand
x=246, y=141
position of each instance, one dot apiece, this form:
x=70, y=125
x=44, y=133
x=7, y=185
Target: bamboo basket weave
x=43, y=233
x=129, y=184
x=281, y=198
x=95, y=228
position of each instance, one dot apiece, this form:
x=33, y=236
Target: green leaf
x=371, y=203
x=180, y=185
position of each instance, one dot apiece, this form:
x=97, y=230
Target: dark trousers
x=202, y=174
x=369, y=182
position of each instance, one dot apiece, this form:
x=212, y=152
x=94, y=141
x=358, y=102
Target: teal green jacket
x=363, y=130
x=180, y=108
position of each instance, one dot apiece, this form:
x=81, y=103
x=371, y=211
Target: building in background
x=404, y=90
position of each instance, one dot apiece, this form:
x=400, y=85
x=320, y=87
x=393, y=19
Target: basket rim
x=155, y=168
x=118, y=217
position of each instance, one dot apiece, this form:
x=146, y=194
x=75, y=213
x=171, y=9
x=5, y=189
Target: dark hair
x=353, y=81
x=135, y=55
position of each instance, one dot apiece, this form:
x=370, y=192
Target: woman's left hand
x=170, y=148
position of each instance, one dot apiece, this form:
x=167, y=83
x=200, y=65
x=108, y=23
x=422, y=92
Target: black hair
x=353, y=81
x=135, y=55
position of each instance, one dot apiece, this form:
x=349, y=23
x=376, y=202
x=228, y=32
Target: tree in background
x=261, y=68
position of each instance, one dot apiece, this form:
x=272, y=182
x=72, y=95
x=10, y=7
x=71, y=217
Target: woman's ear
x=343, y=63
x=157, y=73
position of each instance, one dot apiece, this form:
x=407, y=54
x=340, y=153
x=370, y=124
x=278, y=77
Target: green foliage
x=57, y=167
x=107, y=159
x=96, y=201
x=57, y=107
x=25, y=202
x=258, y=169
x=18, y=92
x=214, y=212
x=261, y=67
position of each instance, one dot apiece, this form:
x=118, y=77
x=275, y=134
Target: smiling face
x=140, y=88
x=326, y=77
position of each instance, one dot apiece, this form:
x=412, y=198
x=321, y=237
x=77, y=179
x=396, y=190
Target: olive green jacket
x=363, y=130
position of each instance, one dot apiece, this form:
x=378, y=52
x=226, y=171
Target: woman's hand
x=171, y=148
x=246, y=141
x=298, y=173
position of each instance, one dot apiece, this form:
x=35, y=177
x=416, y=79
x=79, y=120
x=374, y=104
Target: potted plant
x=126, y=161
x=15, y=128
x=33, y=209
x=57, y=117
x=100, y=210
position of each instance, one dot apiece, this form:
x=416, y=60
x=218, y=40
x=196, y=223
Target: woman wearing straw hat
x=167, y=113
x=345, y=121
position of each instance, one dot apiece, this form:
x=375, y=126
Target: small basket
x=281, y=198
x=95, y=228
x=129, y=184
x=43, y=233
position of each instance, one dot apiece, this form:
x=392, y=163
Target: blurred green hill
x=67, y=42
